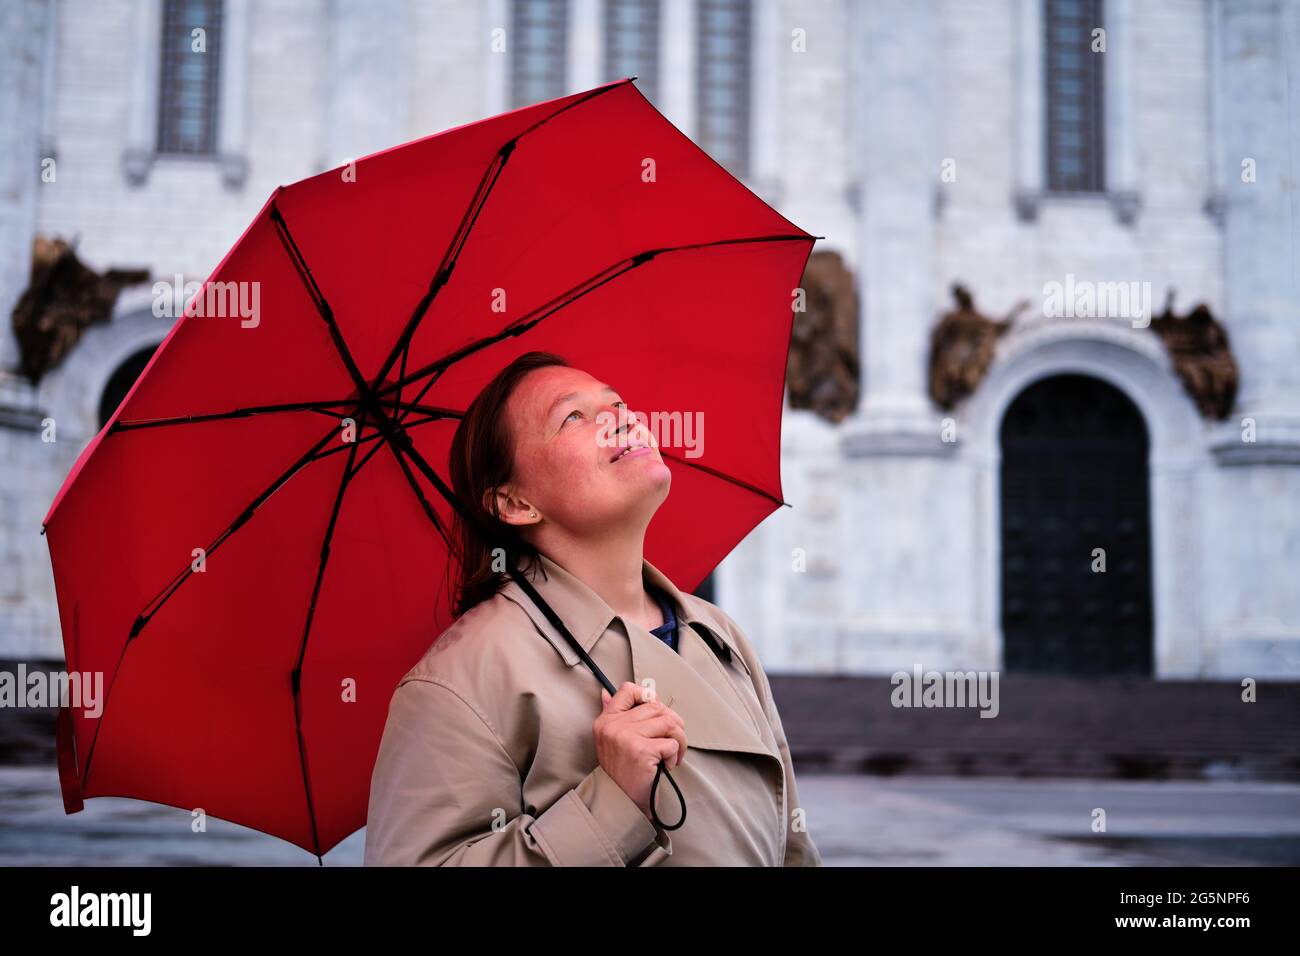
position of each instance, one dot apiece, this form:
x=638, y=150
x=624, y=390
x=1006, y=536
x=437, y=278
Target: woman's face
x=569, y=430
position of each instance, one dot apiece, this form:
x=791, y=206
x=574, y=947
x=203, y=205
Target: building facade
x=1075, y=511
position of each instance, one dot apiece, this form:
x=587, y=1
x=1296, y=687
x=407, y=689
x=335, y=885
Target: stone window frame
x=740, y=167
x=1057, y=130
x=1118, y=135
x=514, y=81
x=231, y=154
x=677, y=96
x=174, y=116
x=615, y=40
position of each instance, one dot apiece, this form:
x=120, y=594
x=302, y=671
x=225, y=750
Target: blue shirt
x=667, y=631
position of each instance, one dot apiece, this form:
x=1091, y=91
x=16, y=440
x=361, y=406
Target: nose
x=625, y=416
x=628, y=427
x=632, y=426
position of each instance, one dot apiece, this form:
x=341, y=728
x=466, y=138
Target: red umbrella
x=251, y=584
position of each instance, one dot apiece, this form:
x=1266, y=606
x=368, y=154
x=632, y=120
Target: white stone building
x=929, y=141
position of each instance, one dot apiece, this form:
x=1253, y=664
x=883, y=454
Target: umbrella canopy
x=251, y=583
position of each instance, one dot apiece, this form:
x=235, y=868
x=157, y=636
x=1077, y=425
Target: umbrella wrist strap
x=662, y=769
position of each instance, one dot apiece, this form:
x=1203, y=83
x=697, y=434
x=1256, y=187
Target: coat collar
x=716, y=714
x=588, y=616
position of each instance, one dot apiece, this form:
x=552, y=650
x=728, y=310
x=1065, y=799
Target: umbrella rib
x=371, y=454
x=381, y=440
x=433, y=379
x=313, y=454
x=168, y=590
x=296, y=677
x=246, y=412
x=726, y=477
x=402, y=443
x=530, y=319
x=419, y=493
x=435, y=369
x=317, y=297
x=401, y=371
x=468, y=220
x=589, y=95
x=449, y=258
x=161, y=598
x=359, y=441
x=431, y=410
x=250, y=411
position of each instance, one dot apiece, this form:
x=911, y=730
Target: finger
x=679, y=735
x=626, y=698
x=646, y=711
x=665, y=749
x=655, y=727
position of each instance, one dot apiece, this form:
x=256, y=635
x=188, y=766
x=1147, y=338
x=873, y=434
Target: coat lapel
x=694, y=682
x=715, y=716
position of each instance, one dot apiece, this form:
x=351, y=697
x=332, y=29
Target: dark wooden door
x=1074, y=479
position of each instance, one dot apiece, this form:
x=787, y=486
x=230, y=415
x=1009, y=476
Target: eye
x=620, y=402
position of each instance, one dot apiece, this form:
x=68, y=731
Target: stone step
x=1123, y=728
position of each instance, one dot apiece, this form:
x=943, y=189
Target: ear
x=513, y=509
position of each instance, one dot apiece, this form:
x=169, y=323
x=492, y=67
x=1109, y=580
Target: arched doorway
x=1073, y=480
x=120, y=382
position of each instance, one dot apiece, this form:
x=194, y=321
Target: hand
x=632, y=736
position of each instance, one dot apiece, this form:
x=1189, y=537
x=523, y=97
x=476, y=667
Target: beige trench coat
x=488, y=759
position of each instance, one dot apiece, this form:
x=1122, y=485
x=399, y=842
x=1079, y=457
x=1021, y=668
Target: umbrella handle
x=558, y=624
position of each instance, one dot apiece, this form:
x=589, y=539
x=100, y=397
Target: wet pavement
x=959, y=821
x=855, y=821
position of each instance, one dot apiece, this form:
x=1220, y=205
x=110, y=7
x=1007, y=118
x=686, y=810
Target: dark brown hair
x=481, y=458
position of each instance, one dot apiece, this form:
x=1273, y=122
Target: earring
x=533, y=513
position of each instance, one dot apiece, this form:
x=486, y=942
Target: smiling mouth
x=633, y=446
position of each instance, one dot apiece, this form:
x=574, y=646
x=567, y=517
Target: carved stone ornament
x=1198, y=345
x=962, y=346
x=822, y=374
x=64, y=298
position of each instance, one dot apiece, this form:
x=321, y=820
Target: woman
x=501, y=748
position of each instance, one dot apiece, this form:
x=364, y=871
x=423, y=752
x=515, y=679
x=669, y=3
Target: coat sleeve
x=799, y=847
x=444, y=792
